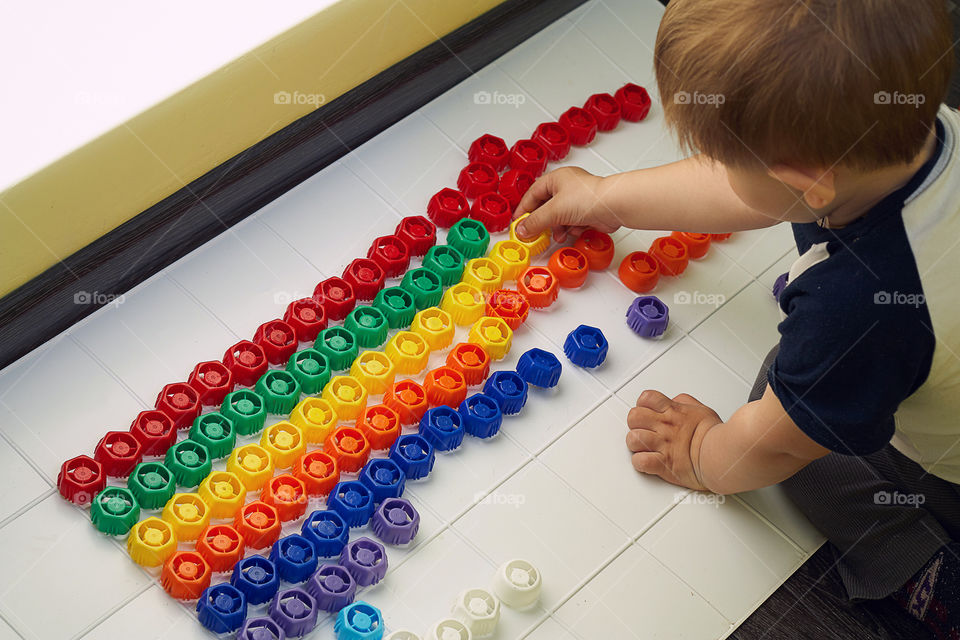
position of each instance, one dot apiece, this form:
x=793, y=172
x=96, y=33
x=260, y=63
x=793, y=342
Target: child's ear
x=816, y=185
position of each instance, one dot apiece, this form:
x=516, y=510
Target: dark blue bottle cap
x=328, y=532
x=586, y=346
x=295, y=610
x=508, y=390
x=384, y=478
x=442, y=427
x=222, y=608
x=481, y=416
x=648, y=316
x=261, y=629
x=779, y=285
x=395, y=521
x=295, y=557
x=359, y=621
x=414, y=455
x=366, y=560
x=539, y=368
x=257, y=578
x=352, y=500
x=332, y=587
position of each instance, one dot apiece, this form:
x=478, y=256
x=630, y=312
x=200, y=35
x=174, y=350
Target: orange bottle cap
x=697, y=243
x=380, y=425
x=408, y=399
x=570, y=266
x=539, y=286
x=287, y=495
x=471, y=361
x=510, y=305
x=221, y=546
x=639, y=271
x=445, y=386
x=671, y=254
x=598, y=247
x=258, y=524
x=318, y=472
x=185, y=575
x=349, y=447
x=720, y=237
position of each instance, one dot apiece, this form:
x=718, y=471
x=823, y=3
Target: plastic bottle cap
x=366, y=560
x=211, y=380
x=477, y=178
x=447, y=206
x=337, y=297
x=280, y=391
x=307, y=317
x=671, y=254
x=332, y=587
x=539, y=286
x=374, y=370
x=517, y=584
x=414, y=455
x=392, y=255
x=397, y=306
x=494, y=210
x=586, y=346
x=402, y=634
x=188, y=514
x=118, y=452
x=223, y=493
x=114, y=511
x=408, y=399
x=353, y=501
x=246, y=411
x=151, y=542
x=257, y=578
x=258, y=524
x=529, y=156
x=484, y=274
x=481, y=415
x=185, y=575
x=554, y=139
x=252, y=464
x=295, y=611
x=294, y=557
x=605, y=109
x=639, y=271
x=779, y=285
x=347, y=396
x=408, y=351
x=278, y=340
x=327, y=530
x=446, y=262
x=418, y=233
x=151, y=484
x=471, y=361
x=494, y=335
x=445, y=386
x=180, y=402
x=512, y=258
x=510, y=305
x=580, y=125
x=435, y=326
x=479, y=610
x=535, y=246
x=424, y=286
x=222, y=608
x=513, y=185
x=597, y=247
x=720, y=237
x=508, y=389
x=318, y=472
x=384, y=478
x=648, y=316
x=246, y=362
x=489, y=149
x=469, y=237
x=214, y=431
x=189, y=462
x=570, y=267
x=442, y=427
x=448, y=629
x=349, y=447
x=221, y=547
x=539, y=368
x=366, y=277
x=368, y=325
x=310, y=369
x=697, y=244
x=262, y=628
x=464, y=303
x=634, y=102
x=380, y=425
x=284, y=442
x=359, y=621
x=154, y=431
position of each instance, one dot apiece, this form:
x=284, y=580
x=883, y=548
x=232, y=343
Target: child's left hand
x=665, y=436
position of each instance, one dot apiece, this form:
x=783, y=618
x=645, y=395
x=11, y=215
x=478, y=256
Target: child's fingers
x=686, y=398
x=654, y=400
x=546, y=216
x=643, y=418
x=643, y=440
x=539, y=192
x=653, y=463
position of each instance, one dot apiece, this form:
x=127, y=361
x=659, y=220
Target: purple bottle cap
x=366, y=560
x=295, y=611
x=395, y=521
x=261, y=629
x=779, y=285
x=332, y=587
x=648, y=316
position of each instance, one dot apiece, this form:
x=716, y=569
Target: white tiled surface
x=555, y=487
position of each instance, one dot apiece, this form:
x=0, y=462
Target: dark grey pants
x=882, y=513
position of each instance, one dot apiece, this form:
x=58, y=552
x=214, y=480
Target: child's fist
x=567, y=201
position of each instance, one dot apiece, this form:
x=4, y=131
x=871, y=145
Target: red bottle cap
x=392, y=254
x=380, y=425
x=639, y=271
x=580, y=125
x=348, y=447
x=418, y=233
x=447, y=206
x=258, y=524
x=287, y=495
x=720, y=237
x=336, y=296
x=247, y=362
x=490, y=149
x=277, y=339
x=554, y=139
x=471, y=361
x=366, y=277
x=155, y=432
x=671, y=254
x=605, y=109
x=221, y=546
x=180, y=402
x=408, y=399
x=570, y=266
x=212, y=382
x=477, y=178
x=307, y=317
x=510, y=305
x=529, y=156
x=539, y=286
x=185, y=575
x=80, y=479
x=513, y=184
x=634, y=102
x=697, y=244
x=445, y=385
x=492, y=210
x=598, y=247
x=118, y=452
x=318, y=472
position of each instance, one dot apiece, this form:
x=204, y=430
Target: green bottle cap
x=446, y=262
x=425, y=287
x=469, y=237
x=189, y=462
x=216, y=432
x=311, y=369
x=280, y=391
x=339, y=346
x=114, y=511
x=152, y=485
x=245, y=410
x=397, y=306
x=369, y=325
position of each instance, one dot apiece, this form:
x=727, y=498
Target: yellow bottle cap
x=512, y=258
x=252, y=464
x=347, y=396
x=188, y=514
x=375, y=371
x=484, y=274
x=435, y=326
x=223, y=492
x=285, y=443
x=494, y=335
x=464, y=302
x=537, y=245
x=151, y=542
x=316, y=419
x=409, y=352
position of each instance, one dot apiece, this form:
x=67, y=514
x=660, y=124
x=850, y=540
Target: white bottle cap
x=479, y=610
x=403, y=634
x=449, y=629
x=517, y=583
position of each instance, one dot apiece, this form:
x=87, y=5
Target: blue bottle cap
x=222, y=608
x=384, y=478
x=294, y=557
x=779, y=285
x=395, y=521
x=586, y=346
x=442, y=427
x=508, y=390
x=295, y=610
x=648, y=316
x=328, y=532
x=332, y=587
x=414, y=455
x=352, y=500
x=359, y=621
x=366, y=560
x=539, y=368
x=481, y=416
x=261, y=629
x=257, y=578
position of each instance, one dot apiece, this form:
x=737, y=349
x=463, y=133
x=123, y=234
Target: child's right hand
x=566, y=200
